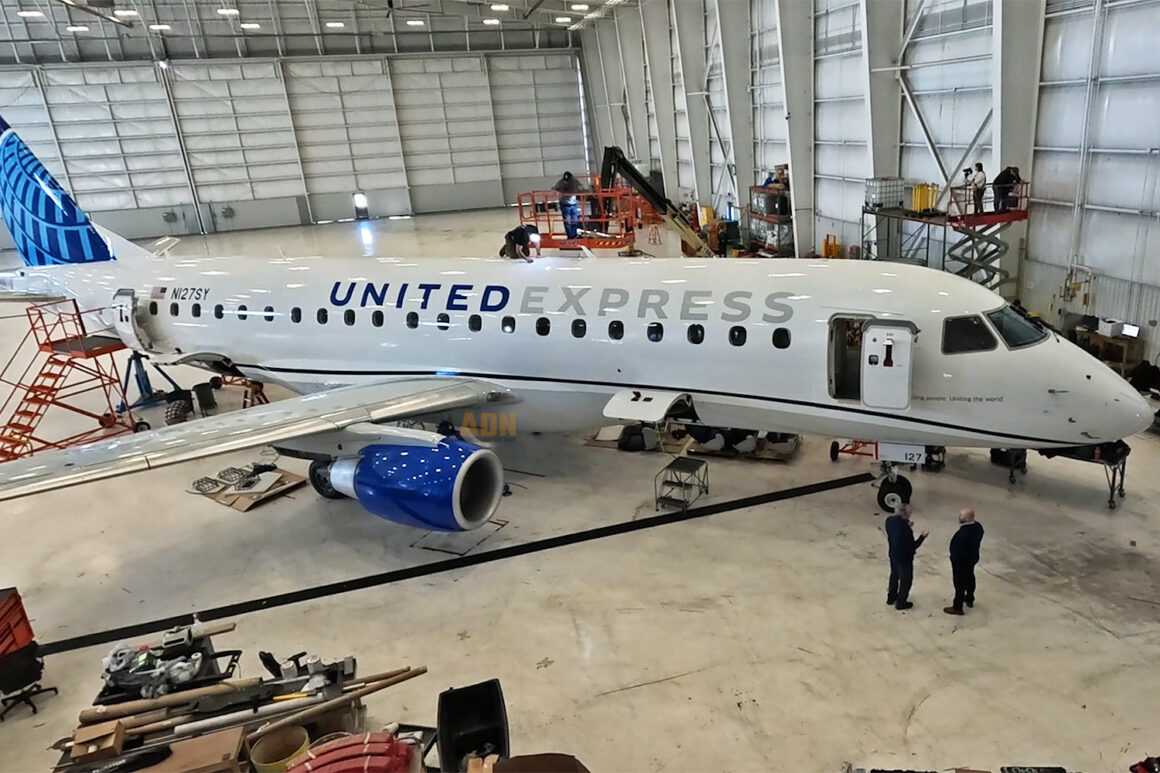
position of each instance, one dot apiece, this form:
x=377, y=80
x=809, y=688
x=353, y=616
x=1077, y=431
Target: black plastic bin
x=470, y=719
x=205, y=398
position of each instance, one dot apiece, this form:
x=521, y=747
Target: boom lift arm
x=615, y=163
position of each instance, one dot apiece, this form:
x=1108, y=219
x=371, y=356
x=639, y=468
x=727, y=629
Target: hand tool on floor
x=118, y=710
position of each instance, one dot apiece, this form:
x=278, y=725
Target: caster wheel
x=320, y=479
x=107, y=420
x=834, y=448
x=892, y=496
x=216, y=382
x=142, y=426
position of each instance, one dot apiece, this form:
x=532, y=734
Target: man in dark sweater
x=900, y=537
x=519, y=242
x=964, y=556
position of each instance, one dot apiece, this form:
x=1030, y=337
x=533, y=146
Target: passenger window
x=656, y=331
x=295, y=315
x=543, y=326
x=967, y=334
x=269, y=313
x=579, y=328
x=696, y=334
x=508, y=325
x=781, y=338
x=616, y=330
x=195, y=310
x=348, y=316
x=322, y=316
x=737, y=335
x=443, y=321
x=218, y=311
x=377, y=318
x=412, y=319
x=153, y=308
x=242, y=312
x=474, y=323
x=173, y=309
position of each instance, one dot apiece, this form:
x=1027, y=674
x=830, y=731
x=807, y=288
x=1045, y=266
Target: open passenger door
x=887, y=348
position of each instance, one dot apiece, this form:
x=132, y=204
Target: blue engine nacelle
x=453, y=486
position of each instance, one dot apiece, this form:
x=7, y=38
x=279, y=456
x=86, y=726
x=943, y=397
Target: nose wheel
x=893, y=489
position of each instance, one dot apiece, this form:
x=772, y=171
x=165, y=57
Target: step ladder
x=682, y=482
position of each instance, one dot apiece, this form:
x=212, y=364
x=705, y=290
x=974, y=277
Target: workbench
x=1120, y=354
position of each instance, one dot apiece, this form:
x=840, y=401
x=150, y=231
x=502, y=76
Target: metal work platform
x=61, y=365
x=681, y=483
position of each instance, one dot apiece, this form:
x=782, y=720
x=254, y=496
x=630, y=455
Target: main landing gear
x=893, y=489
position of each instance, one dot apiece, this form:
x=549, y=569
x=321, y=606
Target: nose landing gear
x=893, y=489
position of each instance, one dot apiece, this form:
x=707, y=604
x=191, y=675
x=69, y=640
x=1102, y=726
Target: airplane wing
x=299, y=417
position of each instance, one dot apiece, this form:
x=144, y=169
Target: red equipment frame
x=609, y=217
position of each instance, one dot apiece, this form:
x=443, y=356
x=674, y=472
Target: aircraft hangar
x=795, y=302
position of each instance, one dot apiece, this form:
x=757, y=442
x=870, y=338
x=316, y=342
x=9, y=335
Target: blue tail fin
x=46, y=224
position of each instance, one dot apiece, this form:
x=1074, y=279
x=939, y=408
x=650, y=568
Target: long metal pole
x=181, y=146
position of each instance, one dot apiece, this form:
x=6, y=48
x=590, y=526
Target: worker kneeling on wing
x=519, y=242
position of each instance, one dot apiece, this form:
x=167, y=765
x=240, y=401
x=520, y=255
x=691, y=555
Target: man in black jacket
x=900, y=537
x=964, y=556
x=519, y=242
x=1005, y=183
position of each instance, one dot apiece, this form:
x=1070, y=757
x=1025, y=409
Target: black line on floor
x=437, y=567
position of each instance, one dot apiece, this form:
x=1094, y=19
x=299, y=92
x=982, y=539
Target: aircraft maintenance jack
x=136, y=370
x=893, y=489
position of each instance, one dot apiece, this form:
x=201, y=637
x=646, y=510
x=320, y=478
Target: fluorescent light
x=563, y=19
x=491, y=21
x=160, y=27
x=78, y=28
x=579, y=6
x=228, y=11
x=499, y=6
x=360, y=201
x=125, y=12
x=164, y=65
x=414, y=22
x=29, y=14
x=250, y=25
x=335, y=24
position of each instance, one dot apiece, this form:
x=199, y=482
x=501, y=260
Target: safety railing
x=598, y=219
x=968, y=202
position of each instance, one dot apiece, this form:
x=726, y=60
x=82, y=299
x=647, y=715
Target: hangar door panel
x=348, y=136
x=538, y=119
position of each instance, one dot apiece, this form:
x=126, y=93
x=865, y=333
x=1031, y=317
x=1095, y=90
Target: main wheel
x=834, y=449
x=320, y=478
x=216, y=382
x=893, y=495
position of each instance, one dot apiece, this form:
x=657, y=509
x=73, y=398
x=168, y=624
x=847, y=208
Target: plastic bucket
x=274, y=753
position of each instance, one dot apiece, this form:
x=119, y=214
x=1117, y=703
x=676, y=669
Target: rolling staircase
x=68, y=368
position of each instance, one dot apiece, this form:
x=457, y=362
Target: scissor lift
x=69, y=368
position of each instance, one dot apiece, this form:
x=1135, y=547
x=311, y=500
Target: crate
x=924, y=198
x=886, y=193
x=15, y=629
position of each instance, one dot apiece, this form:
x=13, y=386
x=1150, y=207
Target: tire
x=107, y=420
x=320, y=479
x=216, y=382
x=892, y=496
x=142, y=426
x=177, y=412
x=834, y=449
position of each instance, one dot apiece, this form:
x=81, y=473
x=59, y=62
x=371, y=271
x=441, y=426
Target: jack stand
x=136, y=370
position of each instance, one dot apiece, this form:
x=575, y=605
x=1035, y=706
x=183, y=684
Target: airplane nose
x=1133, y=413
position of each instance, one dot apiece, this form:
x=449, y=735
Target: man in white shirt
x=978, y=185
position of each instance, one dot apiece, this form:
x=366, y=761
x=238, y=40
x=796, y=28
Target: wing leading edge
x=262, y=425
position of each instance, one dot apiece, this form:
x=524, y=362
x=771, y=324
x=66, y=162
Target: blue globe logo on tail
x=46, y=224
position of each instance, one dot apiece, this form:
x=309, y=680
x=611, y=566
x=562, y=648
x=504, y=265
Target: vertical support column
x=795, y=38
x=881, y=42
x=594, y=88
x=733, y=22
x=689, y=16
x=1016, y=63
x=654, y=20
x=163, y=76
x=630, y=35
x=609, y=50
x=280, y=69
x=390, y=73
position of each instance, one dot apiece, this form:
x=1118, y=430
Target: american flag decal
x=158, y=293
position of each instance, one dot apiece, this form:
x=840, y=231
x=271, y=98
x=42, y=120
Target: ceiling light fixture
x=228, y=11
x=563, y=19
x=334, y=25
x=30, y=14
x=491, y=21
x=125, y=12
x=414, y=22
x=250, y=25
x=160, y=27
x=78, y=28
x=579, y=6
x=500, y=6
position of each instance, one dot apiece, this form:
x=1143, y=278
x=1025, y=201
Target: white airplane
x=893, y=353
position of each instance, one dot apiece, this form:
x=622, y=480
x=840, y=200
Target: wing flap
x=258, y=426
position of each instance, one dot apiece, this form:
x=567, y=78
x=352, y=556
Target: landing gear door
x=124, y=308
x=887, y=351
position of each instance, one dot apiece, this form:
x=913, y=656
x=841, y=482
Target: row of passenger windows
x=655, y=331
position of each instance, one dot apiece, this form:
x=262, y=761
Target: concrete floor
x=756, y=639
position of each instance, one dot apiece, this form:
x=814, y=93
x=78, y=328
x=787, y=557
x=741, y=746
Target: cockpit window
x=967, y=334
x=1016, y=329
